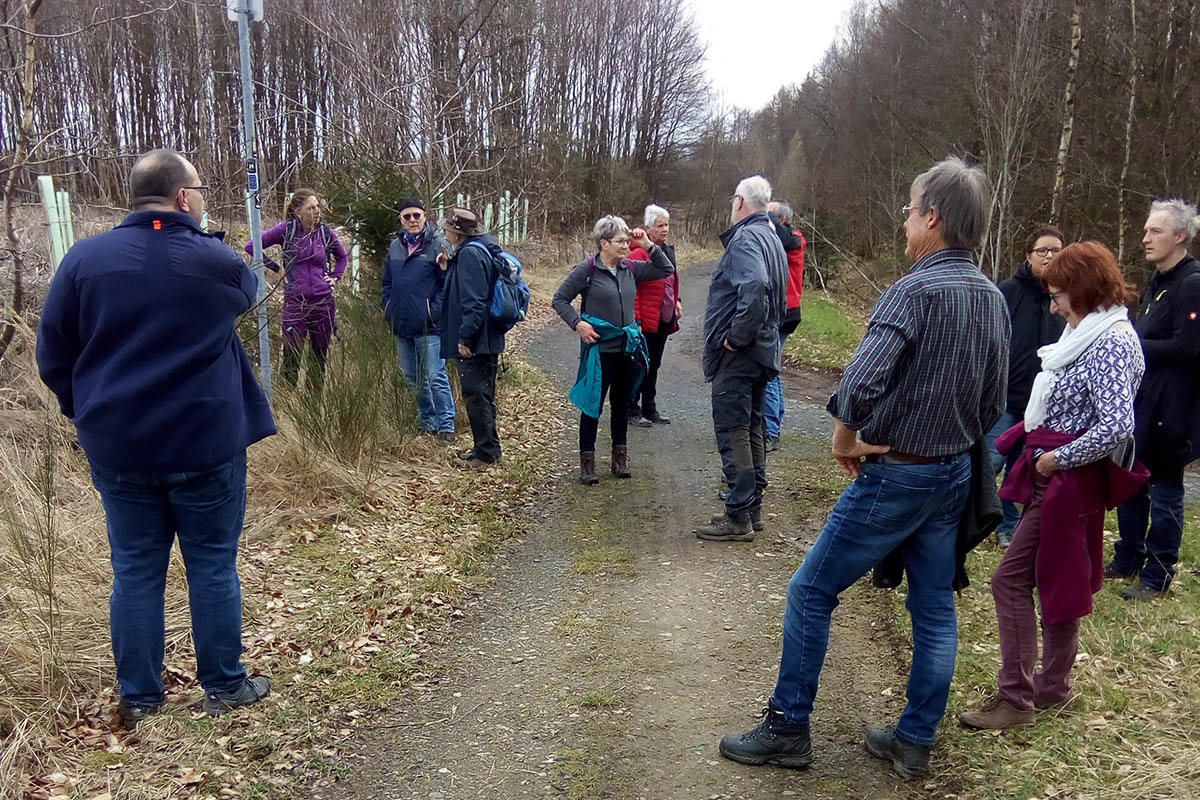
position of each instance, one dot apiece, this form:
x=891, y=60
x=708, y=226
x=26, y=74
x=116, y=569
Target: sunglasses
x=410, y=217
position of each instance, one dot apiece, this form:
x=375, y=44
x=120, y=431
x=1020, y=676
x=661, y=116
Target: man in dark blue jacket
x=412, y=301
x=1166, y=423
x=137, y=341
x=468, y=333
x=746, y=303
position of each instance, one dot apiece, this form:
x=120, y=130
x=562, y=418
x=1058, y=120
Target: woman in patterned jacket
x=1080, y=414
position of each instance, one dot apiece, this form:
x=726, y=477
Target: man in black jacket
x=1166, y=425
x=1033, y=325
x=467, y=330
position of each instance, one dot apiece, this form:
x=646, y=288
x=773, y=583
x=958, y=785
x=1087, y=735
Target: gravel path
x=614, y=648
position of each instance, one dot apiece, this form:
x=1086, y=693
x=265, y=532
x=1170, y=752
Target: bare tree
x=1068, y=119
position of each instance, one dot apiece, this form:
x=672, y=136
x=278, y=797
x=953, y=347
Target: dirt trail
x=614, y=648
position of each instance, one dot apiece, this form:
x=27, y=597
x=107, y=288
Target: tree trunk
x=1068, y=123
x=20, y=155
x=1133, y=71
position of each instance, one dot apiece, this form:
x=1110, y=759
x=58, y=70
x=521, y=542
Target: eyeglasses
x=623, y=240
x=1042, y=252
x=410, y=217
x=1054, y=296
x=201, y=188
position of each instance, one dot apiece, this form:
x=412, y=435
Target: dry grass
x=352, y=559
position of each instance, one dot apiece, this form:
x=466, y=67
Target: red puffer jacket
x=648, y=304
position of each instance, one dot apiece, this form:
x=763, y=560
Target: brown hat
x=460, y=220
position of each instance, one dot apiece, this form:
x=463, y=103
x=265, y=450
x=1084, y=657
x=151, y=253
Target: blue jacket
x=588, y=391
x=413, y=284
x=470, y=276
x=748, y=295
x=138, y=342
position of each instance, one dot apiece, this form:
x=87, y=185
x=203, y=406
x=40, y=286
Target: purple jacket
x=305, y=257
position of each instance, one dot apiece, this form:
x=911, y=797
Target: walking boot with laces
x=250, y=691
x=587, y=468
x=774, y=741
x=908, y=759
x=996, y=714
x=724, y=528
x=756, y=520
x=620, y=461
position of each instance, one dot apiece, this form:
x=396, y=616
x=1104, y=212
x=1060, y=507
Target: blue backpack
x=510, y=295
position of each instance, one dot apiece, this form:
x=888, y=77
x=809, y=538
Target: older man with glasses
x=942, y=325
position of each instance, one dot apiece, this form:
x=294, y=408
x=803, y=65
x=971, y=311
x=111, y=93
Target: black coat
x=470, y=277
x=1032, y=327
x=1167, y=409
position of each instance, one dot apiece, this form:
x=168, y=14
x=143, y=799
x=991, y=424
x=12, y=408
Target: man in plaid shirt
x=928, y=380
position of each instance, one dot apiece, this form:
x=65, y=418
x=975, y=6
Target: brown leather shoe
x=620, y=461
x=1051, y=704
x=587, y=468
x=996, y=714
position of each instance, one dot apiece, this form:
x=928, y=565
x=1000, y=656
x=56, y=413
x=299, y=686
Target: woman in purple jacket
x=313, y=261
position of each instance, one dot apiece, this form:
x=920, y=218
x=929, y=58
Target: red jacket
x=1070, y=557
x=795, y=259
x=647, y=306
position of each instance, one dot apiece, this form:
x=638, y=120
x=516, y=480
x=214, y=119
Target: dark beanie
x=409, y=202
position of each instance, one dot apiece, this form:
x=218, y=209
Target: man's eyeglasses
x=1042, y=252
x=411, y=217
x=201, y=188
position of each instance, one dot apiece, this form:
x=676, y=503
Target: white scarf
x=1060, y=355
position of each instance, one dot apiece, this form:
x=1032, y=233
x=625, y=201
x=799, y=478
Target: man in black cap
x=412, y=303
x=468, y=333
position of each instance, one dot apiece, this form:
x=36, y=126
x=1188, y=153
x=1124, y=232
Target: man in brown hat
x=468, y=334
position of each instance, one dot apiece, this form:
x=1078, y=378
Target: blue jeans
x=144, y=511
x=1151, y=528
x=913, y=507
x=774, y=409
x=425, y=370
x=1011, y=515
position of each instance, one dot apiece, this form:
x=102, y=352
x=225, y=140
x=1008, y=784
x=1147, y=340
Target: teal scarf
x=586, y=393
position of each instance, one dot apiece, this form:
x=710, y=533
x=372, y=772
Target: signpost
x=242, y=12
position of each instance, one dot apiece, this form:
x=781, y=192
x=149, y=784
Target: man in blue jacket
x=138, y=342
x=746, y=303
x=468, y=333
x=412, y=302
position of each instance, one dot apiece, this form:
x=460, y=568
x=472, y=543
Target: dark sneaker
x=996, y=715
x=1053, y=704
x=133, y=713
x=774, y=741
x=1140, y=591
x=447, y=437
x=640, y=421
x=723, y=528
x=472, y=463
x=909, y=760
x=658, y=419
x=756, y=520
x=1111, y=573
x=251, y=691
x=722, y=495
x=1004, y=539
x=772, y=444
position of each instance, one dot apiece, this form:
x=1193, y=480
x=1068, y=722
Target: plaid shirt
x=930, y=376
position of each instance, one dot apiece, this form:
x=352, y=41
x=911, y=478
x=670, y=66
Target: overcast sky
x=754, y=46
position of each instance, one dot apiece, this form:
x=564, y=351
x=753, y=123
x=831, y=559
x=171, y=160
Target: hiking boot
x=133, y=713
x=724, y=528
x=1004, y=539
x=447, y=437
x=472, y=462
x=658, y=419
x=1111, y=573
x=251, y=691
x=620, y=461
x=587, y=468
x=772, y=444
x=908, y=759
x=756, y=519
x=996, y=715
x=1140, y=591
x=774, y=741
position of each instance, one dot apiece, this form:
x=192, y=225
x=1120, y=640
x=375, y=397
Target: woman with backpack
x=613, y=354
x=313, y=261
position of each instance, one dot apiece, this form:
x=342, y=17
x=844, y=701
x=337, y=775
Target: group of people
x=954, y=380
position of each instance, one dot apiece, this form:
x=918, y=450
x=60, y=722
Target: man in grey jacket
x=746, y=302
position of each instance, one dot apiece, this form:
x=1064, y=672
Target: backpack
x=510, y=295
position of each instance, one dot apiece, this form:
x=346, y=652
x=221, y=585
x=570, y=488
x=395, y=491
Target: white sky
x=755, y=46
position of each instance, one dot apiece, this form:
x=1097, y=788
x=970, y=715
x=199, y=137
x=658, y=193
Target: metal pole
x=255, y=204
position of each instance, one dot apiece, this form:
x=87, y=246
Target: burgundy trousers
x=1013, y=587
